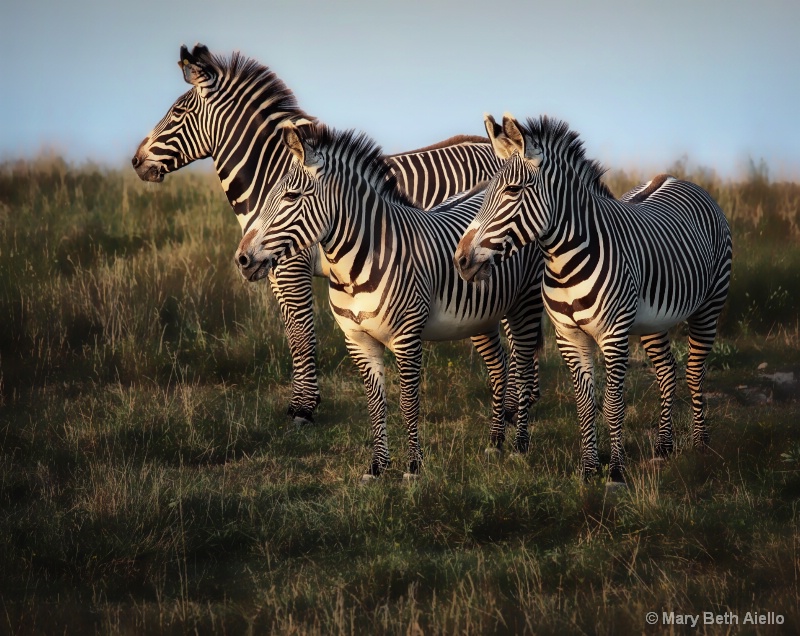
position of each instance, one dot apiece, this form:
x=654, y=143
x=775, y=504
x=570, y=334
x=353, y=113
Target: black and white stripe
x=233, y=114
x=658, y=256
x=392, y=279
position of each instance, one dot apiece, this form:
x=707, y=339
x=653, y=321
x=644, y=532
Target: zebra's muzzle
x=147, y=171
x=470, y=266
x=253, y=270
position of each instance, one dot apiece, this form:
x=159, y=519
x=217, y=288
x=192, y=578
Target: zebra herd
x=434, y=244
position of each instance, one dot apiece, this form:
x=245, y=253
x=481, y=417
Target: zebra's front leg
x=291, y=284
x=576, y=350
x=615, y=351
x=524, y=333
x=512, y=392
x=408, y=352
x=367, y=354
x=658, y=350
x=490, y=347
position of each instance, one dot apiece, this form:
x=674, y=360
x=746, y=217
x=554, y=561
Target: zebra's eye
x=177, y=111
x=513, y=189
x=291, y=196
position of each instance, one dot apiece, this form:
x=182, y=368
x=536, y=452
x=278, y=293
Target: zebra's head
x=180, y=137
x=291, y=219
x=501, y=228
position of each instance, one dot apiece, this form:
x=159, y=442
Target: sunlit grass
x=150, y=481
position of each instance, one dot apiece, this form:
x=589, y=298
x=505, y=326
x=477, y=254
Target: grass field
x=151, y=483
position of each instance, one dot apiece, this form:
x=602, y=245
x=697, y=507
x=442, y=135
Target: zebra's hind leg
x=408, y=352
x=490, y=347
x=367, y=354
x=291, y=284
x=658, y=350
x=702, y=332
x=576, y=350
x=615, y=351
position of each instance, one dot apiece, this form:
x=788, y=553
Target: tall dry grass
x=150, y=483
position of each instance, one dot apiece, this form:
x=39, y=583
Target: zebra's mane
x=557, y=138
x=356, y=153
x=239, y=68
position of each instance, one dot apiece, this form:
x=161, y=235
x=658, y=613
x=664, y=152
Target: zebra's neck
x=358, y=244
x=249, y=156
x=572, y=236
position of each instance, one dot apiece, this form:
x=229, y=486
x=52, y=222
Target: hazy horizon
x=644, y=86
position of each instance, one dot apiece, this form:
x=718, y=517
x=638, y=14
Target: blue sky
x=643, y=82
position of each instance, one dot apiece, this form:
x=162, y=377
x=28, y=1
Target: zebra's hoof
x=410, y=478
x=301, y=422
x=616, y=476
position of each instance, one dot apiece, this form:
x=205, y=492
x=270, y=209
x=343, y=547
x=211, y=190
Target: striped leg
x=658, y=350
x=511, y=399
x=702, y=333
x=525, y=341
x=490, y=347
x=291, y=285
x=615, y=351
x=577, y=354
x=367, y=353
x=408, y=352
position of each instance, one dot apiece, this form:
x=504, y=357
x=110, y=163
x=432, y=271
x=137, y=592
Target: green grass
x=151, y=483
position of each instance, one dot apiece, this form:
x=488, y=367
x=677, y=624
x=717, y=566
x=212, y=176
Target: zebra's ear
x=526, y=145
x=198, y=69
x=302, y=150
x=292, y=141
x=503, y=145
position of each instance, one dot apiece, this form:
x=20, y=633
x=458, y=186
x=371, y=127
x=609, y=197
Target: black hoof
x=376, y=468
x=615, y=474
x=497, y=441
x=303, y=416
x=414, y=467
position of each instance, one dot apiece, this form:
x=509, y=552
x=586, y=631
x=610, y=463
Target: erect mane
x=557, y=138
x=238, y=68
x=356, y=152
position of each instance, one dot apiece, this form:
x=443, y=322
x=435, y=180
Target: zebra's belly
x=569, y=307
x=651, y=319
x=445, y=324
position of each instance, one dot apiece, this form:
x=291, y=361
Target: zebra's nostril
x=243, y=259
x=135, y=161
x=463, y=261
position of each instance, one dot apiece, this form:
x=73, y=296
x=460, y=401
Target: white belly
x=650, y=320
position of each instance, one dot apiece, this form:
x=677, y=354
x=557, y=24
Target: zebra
x=657, y=257
x=392, y=280
x=233, y=114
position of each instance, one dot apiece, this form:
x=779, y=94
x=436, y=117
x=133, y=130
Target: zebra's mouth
x=260, y=271
x=483, y=272
x=153, y=173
